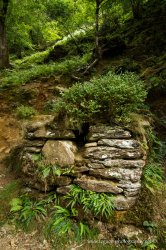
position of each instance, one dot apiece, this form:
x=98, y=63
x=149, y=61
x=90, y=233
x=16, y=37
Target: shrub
x=110, y=96
x=25, y=112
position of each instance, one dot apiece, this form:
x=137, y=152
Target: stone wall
x=110, y=160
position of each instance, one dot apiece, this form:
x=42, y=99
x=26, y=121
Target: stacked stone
x=115, y=161
x=111, y=161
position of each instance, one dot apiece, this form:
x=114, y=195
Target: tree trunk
x=4, y=53
x=98, y=52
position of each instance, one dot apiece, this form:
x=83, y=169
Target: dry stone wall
x=111, y=160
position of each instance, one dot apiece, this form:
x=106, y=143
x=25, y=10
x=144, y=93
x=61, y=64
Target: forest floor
x=38, y=95
x=11, y=135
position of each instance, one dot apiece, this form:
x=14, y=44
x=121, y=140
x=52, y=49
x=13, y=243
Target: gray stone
x=126, y=144
x=106, y=173
x=63, y=190
x=92, y=165
x=39, y=185
x=81, y=169
x=56, y=134
x=124, y=163
x=129, y=186
x=118, y=174
x=124, y=203
x=91, y=144
x=106, y=132
x=59, y=152
x=103, y=153
x=131, y=193
x=97, y=185
x=32, y=149
x=78, y=171
x=35, y=143
x=59, y=180
x=130, y=231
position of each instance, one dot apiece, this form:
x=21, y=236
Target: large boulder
x=61, y=153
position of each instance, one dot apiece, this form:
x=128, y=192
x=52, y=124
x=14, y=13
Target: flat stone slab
x=119, y=143
x=124, y=163
x=55, y=134
x=97, y=185
x=103, y=152
x=106, y=132
x=129, y=186
x=133, y=175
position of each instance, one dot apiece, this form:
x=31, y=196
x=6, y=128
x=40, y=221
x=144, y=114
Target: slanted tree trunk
x=4, y=53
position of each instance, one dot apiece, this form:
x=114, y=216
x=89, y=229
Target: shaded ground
x=10, y=136
x=9, y=240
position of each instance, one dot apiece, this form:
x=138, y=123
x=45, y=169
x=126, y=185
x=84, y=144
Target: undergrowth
x=25, y=112
x=111, y=96
x=20, y=76
x=100, y=204
x=9, y=192
x=153, y=172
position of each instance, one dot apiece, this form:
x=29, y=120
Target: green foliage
x=25, y=112
x=20, y=76
x=45, y=170
x=53, y=170
x=149, y=245
x=112, y=96
x=149, y=225
x=153, y=176
x=64, y=222
x=10, y=191
x=153, y=172
x=32, y=60
x=98, y=203
x=27, y=210
x=25, y=23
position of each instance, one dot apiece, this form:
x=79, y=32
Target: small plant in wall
x=45, y=169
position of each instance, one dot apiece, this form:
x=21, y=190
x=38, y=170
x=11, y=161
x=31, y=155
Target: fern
x=98, y=203
x=153, y=176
